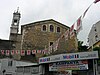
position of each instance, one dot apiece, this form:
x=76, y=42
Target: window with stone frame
x=58, y=29
x=44, y=28
x=51, y=28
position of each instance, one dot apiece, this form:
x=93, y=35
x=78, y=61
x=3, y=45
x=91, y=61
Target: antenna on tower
x=17, y=9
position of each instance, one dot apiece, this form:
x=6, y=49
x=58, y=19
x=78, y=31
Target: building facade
x=41, y=35
x=94, y=34
x=94, y=41
x=73, y=63
x=27, y=70
x=12, y=67
x=8, y=66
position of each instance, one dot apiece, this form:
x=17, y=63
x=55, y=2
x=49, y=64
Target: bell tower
x=14, y=29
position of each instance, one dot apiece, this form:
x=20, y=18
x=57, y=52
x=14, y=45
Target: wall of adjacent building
x=94, y=34
x=8, y=66
x=27, y=70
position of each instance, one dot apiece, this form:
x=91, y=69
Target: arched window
x=58, y=29
x=44, y=27
x=51, y=28
x=15, y=22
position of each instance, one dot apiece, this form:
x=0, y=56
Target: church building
x=47, y=35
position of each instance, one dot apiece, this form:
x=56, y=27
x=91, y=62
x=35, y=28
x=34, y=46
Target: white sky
x=64, y=11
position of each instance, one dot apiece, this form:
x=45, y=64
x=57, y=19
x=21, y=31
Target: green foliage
x=97, y=49
x=81, y=47
x=45, y=55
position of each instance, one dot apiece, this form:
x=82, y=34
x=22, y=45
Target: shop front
x=67, y=64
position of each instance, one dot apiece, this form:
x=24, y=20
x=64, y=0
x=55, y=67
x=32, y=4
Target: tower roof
x=17, y=11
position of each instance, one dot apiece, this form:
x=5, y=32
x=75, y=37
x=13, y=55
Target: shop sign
x=69, y=65
x=70, y=56
x=43, y=60
x=81, y=55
